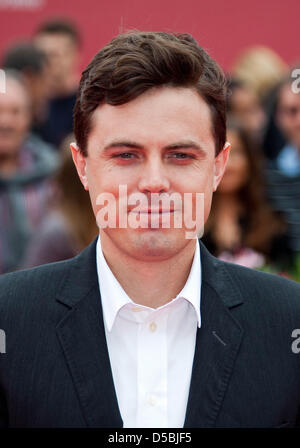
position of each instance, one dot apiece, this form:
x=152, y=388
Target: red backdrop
x=222, y=27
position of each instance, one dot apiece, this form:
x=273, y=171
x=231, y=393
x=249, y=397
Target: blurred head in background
x=26, y=58
x=70, y=224
x=15, y=120
x=241, y=164
x=60, y=41
x=288, y=112
x=243, y=105
x=73, y=201
x=242, y=177
x=240, y=199
x=260, y=68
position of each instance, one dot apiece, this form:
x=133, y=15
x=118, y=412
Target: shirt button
x=151, y=400
x=152, y=327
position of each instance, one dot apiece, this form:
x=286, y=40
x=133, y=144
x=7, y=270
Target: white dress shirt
x=151, y=350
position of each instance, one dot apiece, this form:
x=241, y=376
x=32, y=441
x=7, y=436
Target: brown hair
x=60, y=26
x=73, y=201
x=135, y=62
x=260, y=68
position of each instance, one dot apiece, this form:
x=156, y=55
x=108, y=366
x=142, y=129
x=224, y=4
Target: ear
x=220, y=164
x=80, y=162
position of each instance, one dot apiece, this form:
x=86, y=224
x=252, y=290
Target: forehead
x=288, y=97
x=15, y=94
x=243, y=97
x=158, y=114
x=53, y=42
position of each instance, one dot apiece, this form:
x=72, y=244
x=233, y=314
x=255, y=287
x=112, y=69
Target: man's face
x=15, y=117
x=39, y=86
x=288, y=114
x=161, y=142
x=62, y=56
x=246, y=108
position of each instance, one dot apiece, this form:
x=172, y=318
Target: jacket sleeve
x=4, y=292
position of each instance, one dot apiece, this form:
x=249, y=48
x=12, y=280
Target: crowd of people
x=45, y=214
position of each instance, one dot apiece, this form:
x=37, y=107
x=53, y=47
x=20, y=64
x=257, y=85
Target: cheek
x=202, y=182
x=102, y=181
x=287, y=124
x=21, y=121
x=197, y=179
x=108, y=177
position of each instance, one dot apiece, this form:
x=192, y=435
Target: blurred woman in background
x=260, y=68
x=242, y=228
x=71, y=225
x=243, y=105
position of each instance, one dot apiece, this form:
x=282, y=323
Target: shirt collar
x=192, y=288
x=114, y=297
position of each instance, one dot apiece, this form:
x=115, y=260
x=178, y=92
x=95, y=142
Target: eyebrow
x=184, y=144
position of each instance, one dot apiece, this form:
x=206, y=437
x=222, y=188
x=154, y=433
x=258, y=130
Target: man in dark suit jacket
x=245, y=373
x=148, y=328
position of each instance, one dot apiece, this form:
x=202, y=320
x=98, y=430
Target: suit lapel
x=217, y=344
x=82, y=337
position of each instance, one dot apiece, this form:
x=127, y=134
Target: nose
x=154, y=178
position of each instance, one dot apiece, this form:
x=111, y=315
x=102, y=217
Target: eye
x=124, y=155
x=181, y=156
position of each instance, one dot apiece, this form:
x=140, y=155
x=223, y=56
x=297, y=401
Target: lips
x=6, y=132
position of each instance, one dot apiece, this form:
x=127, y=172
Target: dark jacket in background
x=59, y=120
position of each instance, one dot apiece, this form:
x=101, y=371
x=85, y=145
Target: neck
x=67, y=87
x=145, y=282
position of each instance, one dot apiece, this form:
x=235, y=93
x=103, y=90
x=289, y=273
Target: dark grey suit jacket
x=56, y=370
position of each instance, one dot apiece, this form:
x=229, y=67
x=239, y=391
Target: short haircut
x=233, y=85
x=135, y=62
x=17, y=77
x=60, y=26
x=24, y=57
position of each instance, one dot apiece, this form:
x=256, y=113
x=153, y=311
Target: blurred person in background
x=70, y=225
x=243, y=105
x=32, y=63
x=260, y=68
x=288, y=120
x=60, y=41
x=242, y=228
x=26, y=164
x=283, y=171
x=273, y=138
